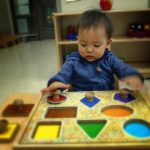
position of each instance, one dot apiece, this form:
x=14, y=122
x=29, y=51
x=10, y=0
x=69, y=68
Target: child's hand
x=54, y=86
x=133, y=81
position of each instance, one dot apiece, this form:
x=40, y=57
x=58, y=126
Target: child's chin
x=90, y=59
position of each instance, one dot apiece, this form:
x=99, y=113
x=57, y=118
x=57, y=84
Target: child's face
x=92, y=43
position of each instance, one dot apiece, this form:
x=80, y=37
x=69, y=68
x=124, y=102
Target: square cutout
x=8, y=136
x=46, y=130
x=61, y=112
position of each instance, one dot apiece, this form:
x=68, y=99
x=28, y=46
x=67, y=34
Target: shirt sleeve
x=123, y=70
x=64, y=75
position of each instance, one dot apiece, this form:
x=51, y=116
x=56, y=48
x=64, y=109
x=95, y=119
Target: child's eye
x=83, y=45
x=97, y=45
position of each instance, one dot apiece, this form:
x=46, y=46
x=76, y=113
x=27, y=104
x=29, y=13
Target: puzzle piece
x=17, y=109
x=56, y=97
x=124, y=100
x=8, y=131
x=89, y=99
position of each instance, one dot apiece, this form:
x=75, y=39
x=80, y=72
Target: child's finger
x=44, y=90
x=52, y=88
x=64, y=86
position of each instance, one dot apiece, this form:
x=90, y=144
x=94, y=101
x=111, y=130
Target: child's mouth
x=89, y=57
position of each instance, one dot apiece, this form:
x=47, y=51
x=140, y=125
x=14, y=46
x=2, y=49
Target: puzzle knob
x=90, y=96
x=18, y=104
x=56, y=94
x=124, y=93
x=3, y=125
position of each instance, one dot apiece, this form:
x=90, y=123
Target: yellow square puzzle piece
x=10, y=133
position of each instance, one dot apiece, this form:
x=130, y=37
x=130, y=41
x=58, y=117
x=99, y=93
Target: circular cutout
x=117, y=111
x=52, y=100
x=137, y=128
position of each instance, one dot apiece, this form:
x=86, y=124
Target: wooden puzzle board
x=72, y=135
x=29, y=98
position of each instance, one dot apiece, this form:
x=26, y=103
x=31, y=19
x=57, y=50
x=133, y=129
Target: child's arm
x=54, y=86
x=134, y=81
x=62, y=79
x=127, y=73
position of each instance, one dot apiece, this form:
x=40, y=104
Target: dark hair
x=95, y=18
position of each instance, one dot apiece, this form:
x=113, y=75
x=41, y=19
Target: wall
x=82, y=5
x=58, y=3
x=6, y=25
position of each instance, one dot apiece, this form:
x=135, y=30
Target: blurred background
x=28, y=55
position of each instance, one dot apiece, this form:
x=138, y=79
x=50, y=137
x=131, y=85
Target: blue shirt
x=93, y=76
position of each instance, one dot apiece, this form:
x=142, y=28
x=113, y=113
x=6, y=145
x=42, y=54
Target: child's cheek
x=82, y=52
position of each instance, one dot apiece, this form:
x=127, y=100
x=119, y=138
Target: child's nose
x=89, y=49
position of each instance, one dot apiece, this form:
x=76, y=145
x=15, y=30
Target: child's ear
x=109, y=41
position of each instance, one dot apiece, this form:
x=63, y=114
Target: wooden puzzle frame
x=95, y=145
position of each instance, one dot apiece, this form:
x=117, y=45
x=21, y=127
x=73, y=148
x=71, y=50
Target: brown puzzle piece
x=11, y=111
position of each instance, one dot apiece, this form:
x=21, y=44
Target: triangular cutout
x=92, y=127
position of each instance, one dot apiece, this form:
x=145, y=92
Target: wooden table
x=29, y=98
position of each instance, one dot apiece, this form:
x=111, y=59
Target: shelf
x=120, y=41
x=115, y=39
x=128, y=11
x=124, y=38
x=67, y=42
x=111, y=11
x=143, y=67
